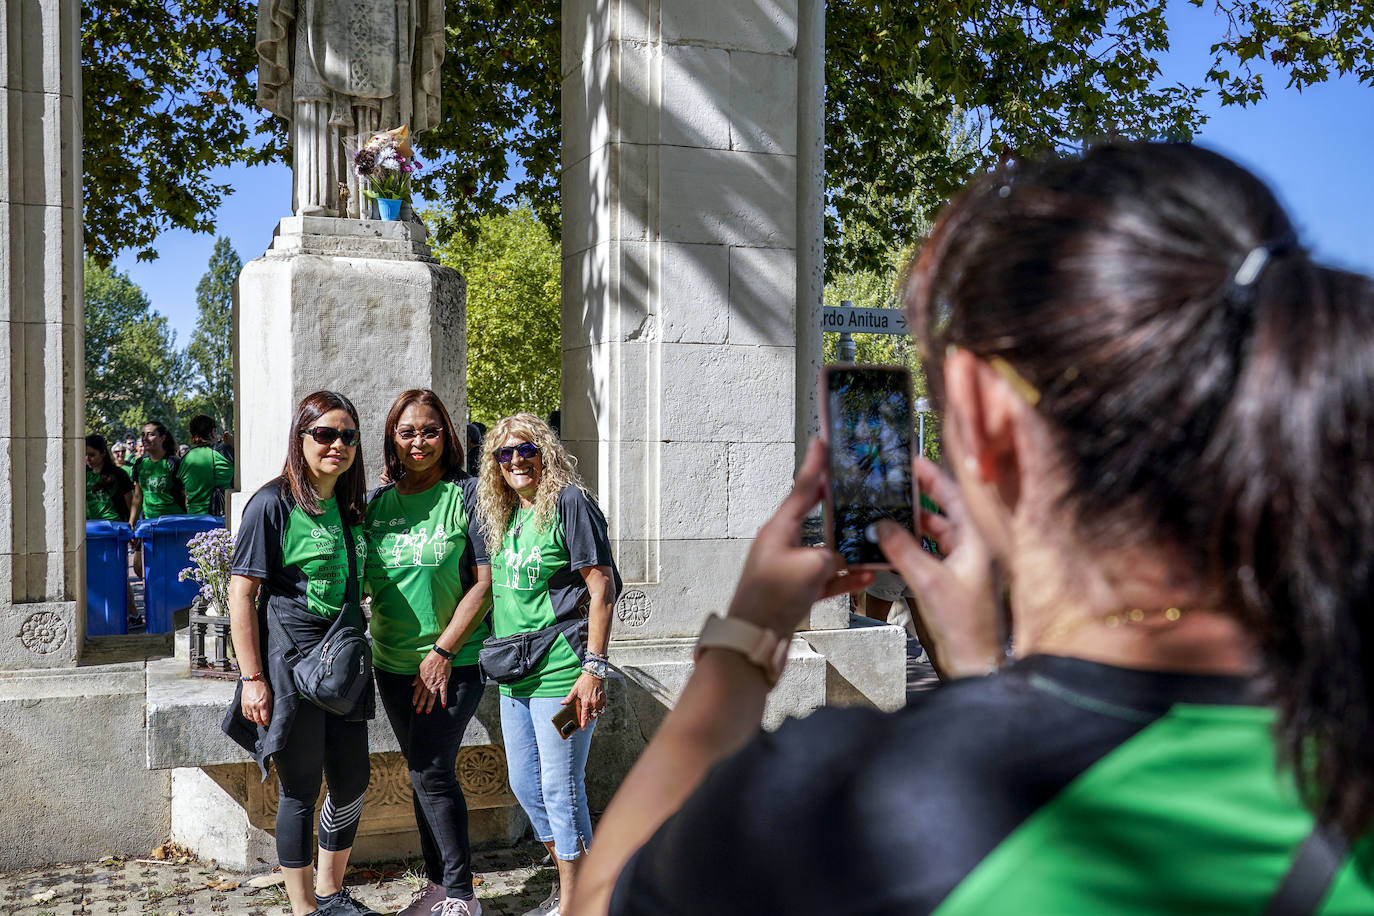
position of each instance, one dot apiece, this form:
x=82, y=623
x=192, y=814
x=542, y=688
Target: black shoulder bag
x=335, y=673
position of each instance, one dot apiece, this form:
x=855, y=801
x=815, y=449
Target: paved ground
x=511, y=882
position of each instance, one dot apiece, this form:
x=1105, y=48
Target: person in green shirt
x=1156, y=412
x=157, y=491
x=203, y=471
x=298, y=551
x=107, y=486
x=430, y=580
x=553, y=575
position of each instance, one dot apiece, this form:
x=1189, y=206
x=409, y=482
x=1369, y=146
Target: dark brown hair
x=1231, y=421
x=107, y=466
x=348, y=491
x=452, y=458
x=169, y=442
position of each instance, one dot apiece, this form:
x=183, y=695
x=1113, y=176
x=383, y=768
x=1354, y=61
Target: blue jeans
x=547, y=772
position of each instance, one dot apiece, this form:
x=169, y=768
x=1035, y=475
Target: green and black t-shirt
x=535, y=582
x=110, y=504
x=1058, y=786
x=161, y=494
x=421, y=550
x=299, y=557
x=202, y=471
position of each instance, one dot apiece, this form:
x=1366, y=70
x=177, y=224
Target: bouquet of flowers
x=385, y=163
x=211, y=552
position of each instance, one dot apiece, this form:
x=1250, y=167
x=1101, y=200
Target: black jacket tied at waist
x=307, y=629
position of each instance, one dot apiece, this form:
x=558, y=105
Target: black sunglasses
x=326, y=435
x=429, y=433
x=526, y=450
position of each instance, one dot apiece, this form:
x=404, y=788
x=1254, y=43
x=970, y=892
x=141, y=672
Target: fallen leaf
x=268, y=880
x=44, y=897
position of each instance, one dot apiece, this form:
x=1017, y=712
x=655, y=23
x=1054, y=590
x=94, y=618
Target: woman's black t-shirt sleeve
x=584, y=528
x=257, y=543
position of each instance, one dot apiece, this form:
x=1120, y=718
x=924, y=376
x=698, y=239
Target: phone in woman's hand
x=866, y=416
x=565, y=720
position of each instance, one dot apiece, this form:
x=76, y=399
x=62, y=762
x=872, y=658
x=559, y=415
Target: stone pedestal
x=357, y=306
x=692, y=230
x=42, y=508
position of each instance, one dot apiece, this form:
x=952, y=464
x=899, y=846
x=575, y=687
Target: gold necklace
x=1113, y=620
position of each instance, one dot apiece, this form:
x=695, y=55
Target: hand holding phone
x=866, y=413
x=565, y=720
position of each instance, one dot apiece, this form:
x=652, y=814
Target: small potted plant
x=211, y=552
x=385, y=163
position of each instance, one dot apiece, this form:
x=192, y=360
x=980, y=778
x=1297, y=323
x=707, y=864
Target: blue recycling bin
x=107, y=578
x=165, y=555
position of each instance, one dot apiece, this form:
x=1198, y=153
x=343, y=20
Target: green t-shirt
x=315, y=545
x=155, y=478
x=535, y=581
x=419, y=559
x=100, y=504
x=201, y=471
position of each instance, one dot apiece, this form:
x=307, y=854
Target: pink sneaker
x=422, y=903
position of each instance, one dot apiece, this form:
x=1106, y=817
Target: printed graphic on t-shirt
x=418, y=546
x=521, y=569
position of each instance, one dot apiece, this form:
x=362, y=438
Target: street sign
x=850, y=320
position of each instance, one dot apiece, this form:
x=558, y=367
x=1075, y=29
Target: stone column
x=358, y=306
x=689, y=232
x=42, y=508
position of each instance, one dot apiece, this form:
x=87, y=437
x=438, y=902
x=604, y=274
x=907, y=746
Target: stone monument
x=341, y=70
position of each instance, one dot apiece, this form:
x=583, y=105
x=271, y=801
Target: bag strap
x=1313, y=869
x=351, y=589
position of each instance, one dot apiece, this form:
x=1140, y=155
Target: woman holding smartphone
x=552, y=574
x=430, y=580
x=297, y=548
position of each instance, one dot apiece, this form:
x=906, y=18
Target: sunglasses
x=526, y=450
x=326, y=435
x=429, y=433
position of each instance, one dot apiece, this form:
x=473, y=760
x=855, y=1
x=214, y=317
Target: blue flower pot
x=388, y=208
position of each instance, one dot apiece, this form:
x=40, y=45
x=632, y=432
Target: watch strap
x=763, y=647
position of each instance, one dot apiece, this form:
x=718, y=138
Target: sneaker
x=550, y=905
x=454, y=906
x=343, y=904
x=424, y=900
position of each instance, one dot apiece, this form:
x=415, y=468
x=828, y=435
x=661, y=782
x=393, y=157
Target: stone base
x=48, y=634
x=72, y=776
x=356, y=306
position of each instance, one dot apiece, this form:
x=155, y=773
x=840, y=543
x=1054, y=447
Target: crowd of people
x=1149, y=600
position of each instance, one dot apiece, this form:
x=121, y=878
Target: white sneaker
x=453, y=906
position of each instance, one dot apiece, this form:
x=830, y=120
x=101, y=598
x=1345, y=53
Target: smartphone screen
x=869, y=428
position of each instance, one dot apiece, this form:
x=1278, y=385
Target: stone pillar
x=691, y=244
x=358, y=306
x=42, y=508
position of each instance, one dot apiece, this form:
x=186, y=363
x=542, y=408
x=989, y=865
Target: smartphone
x=565, y=720
x=866, y=416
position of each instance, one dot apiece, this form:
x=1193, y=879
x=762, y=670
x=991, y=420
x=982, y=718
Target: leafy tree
x=210, y=355
x=133, y=371
x=170, y=82
x=169, y=95
x=514, y=316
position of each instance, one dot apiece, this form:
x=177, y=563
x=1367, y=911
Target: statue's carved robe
x=337, y=69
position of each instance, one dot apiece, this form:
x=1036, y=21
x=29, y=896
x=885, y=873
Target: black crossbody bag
x=334, y=674
x=507, y=659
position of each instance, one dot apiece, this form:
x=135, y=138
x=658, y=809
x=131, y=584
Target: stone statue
x=338, y=69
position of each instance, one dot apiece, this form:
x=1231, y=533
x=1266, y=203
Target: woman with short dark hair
x=1158, y=413
x=298, y=557
x=429, y=577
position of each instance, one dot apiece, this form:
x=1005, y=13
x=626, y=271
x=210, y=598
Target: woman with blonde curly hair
x=553, y=584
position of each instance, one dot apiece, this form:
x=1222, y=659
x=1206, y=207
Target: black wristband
x=443, y=653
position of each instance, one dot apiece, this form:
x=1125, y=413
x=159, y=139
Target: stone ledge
x=390, y=240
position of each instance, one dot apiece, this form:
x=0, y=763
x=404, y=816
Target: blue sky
x=1312, y=147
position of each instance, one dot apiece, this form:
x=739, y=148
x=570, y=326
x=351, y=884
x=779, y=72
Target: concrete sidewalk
x=511, y=882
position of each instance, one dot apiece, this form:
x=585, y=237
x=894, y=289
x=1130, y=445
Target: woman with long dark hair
x=429, y=577
x=157, y=491
x=107, y=486
x=1158, y=414
x=298, y=556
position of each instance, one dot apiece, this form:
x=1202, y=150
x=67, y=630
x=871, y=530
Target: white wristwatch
x=761, y=646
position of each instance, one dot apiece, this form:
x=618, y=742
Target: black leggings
x=430, y=745
x=320, y=743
